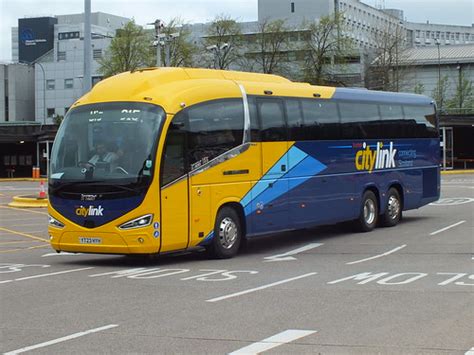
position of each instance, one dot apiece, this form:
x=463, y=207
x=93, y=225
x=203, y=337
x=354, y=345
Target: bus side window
x=393, y=124
x=173, y=165
x=359, y=120
x=272, y=120
x=422, y=119
x=295, y=120
x=214, y=128
x=254, y=125
x=321, y=119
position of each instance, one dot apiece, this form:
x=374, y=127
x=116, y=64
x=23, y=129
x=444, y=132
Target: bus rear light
x=53, y=222
x=139, y=222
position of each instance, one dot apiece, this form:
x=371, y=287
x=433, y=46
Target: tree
x=176, y=48
x=326, y=47
x=224, y=40
x=387, y=71
x=130, y=49
x=463, y=100
x=419, y=88
x=270, y=50
x=439, y=93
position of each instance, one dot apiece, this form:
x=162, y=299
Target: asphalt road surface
x=407, y=289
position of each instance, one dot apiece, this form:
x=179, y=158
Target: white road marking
x=448, y=227
x=287, y=256
x=452, y=201
x=46, y=275
x=470, y=352
x=217, y=299
x=378, y=256
x=272, y=342
x=60, y=340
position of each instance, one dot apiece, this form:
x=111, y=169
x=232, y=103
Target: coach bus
x=168, y=159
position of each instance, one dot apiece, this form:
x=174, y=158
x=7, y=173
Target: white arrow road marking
x=287, y=256
x=60, y=340
x=378, y=256
x=272, y=342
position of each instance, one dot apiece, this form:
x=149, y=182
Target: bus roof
x=381, y=96
x=175, y=88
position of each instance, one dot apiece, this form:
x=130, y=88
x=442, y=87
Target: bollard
x=42, y=193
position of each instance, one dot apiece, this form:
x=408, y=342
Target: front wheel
x=369, y=212
x=227, y=234
x=393, y=209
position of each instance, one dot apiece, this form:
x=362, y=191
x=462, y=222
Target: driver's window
x=173, y=166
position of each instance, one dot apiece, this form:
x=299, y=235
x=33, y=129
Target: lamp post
x=437, y=42
x=44, y=92
x=158, y=27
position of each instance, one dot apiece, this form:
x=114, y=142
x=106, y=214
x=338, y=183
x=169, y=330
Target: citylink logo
x=90, y=211
x=368, y=159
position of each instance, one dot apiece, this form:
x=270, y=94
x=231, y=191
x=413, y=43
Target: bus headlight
x=53, y=222
x=139, y=222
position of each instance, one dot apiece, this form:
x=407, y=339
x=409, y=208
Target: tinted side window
x=423, y=119
x=393, y=123
x=295, y=119
x=360, y=120
x=174, y=165
x=272, y=120
x=214, y=128
x=254, y=125
x=321, y=119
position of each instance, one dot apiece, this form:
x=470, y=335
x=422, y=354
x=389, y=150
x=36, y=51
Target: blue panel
x=109, y=209
x=295, y=155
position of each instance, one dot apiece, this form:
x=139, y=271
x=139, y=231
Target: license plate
x=83, y=240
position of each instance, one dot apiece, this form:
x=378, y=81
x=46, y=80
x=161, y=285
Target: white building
x=17, y=93
x=60, y=65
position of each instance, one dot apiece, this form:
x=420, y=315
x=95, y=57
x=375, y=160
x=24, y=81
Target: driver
x=102, y=155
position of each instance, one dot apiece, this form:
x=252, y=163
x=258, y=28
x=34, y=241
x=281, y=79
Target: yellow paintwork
x=173, y=89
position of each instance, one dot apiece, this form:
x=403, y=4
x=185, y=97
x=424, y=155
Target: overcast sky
x=459, y=12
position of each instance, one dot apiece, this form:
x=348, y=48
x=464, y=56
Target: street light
x=437, y=42
x=158, y=27
x=217, y=50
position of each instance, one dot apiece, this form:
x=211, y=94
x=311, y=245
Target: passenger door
x=271, y=200
x=174, y=189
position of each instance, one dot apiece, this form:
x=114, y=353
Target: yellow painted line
x=24, y=234
x=22, y=249
x=454, y=172
x=22, y=210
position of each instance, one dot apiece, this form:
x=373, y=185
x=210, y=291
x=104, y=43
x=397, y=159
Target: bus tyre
x=227, y=234
x=369, y=212
x=393, y=209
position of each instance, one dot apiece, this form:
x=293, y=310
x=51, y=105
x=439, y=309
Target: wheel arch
x=375, y=190
x=240, y=212
x=396, y=185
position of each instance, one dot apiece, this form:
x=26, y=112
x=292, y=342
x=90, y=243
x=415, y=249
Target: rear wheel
x=227, y=234
x=393, y=209
x=369, y=212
